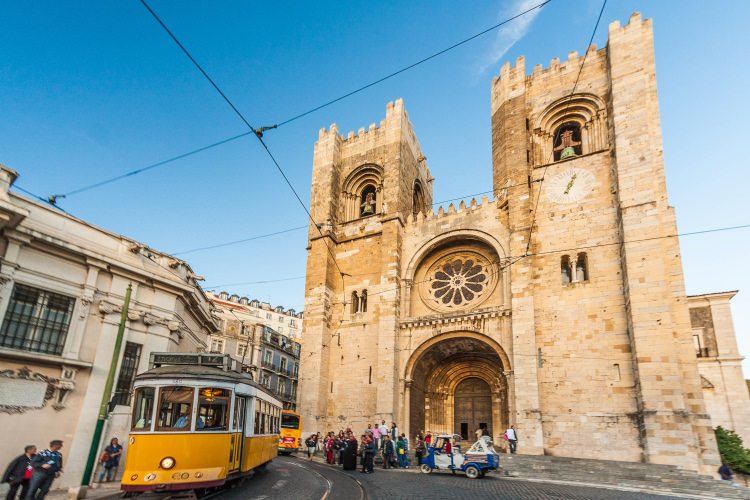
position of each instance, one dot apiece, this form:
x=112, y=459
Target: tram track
x=299, y=462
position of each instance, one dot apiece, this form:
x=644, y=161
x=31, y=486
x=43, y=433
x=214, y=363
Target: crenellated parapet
x=452, y=212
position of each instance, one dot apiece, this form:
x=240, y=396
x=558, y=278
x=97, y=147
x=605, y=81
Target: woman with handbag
x=110, y=460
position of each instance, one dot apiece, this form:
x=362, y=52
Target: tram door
x=237, y=440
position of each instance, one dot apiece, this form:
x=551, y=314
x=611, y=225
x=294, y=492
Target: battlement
x=443, y=214
x=513, y=79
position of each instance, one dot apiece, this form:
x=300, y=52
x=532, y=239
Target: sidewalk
x=100, y=491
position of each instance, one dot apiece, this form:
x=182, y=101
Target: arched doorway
x=457, y=384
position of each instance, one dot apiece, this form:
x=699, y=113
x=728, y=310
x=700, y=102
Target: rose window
x=458, y=281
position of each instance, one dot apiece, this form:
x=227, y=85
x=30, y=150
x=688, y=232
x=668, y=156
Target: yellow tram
x=197, y=423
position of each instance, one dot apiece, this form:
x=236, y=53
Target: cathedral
x=557, y=306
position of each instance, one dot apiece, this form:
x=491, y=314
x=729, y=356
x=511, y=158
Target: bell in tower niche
x=368, y=207
x=568, y=143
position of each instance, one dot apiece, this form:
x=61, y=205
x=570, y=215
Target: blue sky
x=95, y=89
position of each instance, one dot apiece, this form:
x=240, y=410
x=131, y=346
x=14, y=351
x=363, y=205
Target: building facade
x=265, y=340
x=62, y=289
x=558, y=306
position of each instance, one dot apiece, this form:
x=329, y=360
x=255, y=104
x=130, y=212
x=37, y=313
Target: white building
x=265, y=339
x=62, y=288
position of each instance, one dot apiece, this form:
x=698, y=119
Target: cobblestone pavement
x=293, y=479
x=411, y=484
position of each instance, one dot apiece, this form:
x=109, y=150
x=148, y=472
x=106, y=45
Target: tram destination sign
x=202, y=359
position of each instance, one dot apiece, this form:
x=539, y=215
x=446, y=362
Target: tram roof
x=202, y=372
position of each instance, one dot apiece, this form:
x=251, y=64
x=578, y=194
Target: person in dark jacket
x=370, y=449
x=109, y=466
x=388, y=452
x=18, y=473
x=349, y=453
x=47, y=466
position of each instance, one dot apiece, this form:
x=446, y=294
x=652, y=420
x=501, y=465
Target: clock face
x=570, y=185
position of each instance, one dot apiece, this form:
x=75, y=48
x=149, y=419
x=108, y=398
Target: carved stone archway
x=444, y=364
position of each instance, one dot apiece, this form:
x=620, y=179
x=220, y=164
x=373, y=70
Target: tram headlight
x=167, y=463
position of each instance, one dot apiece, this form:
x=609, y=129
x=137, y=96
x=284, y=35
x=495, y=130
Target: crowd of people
x=378, y=443
x=33, y=472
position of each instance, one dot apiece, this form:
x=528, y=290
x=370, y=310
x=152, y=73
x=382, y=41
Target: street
x=292, y=478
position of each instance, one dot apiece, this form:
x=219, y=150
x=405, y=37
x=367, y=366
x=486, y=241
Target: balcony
x=702, y=352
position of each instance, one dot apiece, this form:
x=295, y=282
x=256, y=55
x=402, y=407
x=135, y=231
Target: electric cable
x=557, y=135
x=258, y=132
x=413, y=65
x=220, y=245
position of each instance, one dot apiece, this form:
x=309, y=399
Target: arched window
x=417, y=199
x=363, y=301
x=582, y=272
x=567, y=141
x=565, y=269
x=355, y=303
x=367, y=201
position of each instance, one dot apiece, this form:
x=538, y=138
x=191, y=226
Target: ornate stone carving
x=26, y=374
x=458, y=281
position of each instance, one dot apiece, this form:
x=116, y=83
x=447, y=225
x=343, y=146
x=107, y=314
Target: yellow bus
x=289, y=438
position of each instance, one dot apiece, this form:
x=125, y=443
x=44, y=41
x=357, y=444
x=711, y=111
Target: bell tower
x=364, y=187
x=598, y=299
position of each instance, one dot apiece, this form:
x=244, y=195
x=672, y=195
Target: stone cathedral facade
x=558, y=306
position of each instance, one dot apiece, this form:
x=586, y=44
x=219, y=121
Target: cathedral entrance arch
x=457, y=384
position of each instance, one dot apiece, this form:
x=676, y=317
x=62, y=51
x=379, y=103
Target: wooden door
x=472, y=407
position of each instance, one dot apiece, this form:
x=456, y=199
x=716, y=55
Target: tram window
x=213, y=409
x=175, y=408
x=144, y=408
x=256, y=425
x=239, y=413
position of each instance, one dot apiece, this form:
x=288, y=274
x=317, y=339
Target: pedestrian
x=400, y=452
x=388, y=452
x=329, y=448
x=406, y=450
x=369, y=455
x=512, y=438
x=47, y=466
x=349, y=453
x=361, y=450
x=319, y=441
x=376, y=436
x=419, y=449
x=383, y=432
x=478, y=433
x=724, y=471
x=18, y=473
x=428, y=439
x=394, y=432
x=110, y=460
x=310, y=443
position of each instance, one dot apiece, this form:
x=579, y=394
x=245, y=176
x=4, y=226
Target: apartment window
x=268, y=357
x=241, y=350
x=217, y=345
x=36, y=320
x=269, y=315
x=282, y=365
x=296, y=349
x=296, y=370
x=128, y=369
x=265, y=379
x=292, y=323
x=281, y=329
x=281, y=387
x=281, y=319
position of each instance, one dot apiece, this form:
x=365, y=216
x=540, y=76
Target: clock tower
x=599, y=307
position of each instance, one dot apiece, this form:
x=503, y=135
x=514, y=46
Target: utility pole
x=104, y=408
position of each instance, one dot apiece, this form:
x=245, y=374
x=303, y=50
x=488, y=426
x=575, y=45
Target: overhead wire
x=262, y=129
x=557, y=135
x=258, y=132
x=415, y=64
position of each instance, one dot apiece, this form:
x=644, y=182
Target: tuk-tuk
x=477, y=461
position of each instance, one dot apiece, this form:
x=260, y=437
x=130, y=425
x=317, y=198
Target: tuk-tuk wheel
x=426, y=469
x=472, y=472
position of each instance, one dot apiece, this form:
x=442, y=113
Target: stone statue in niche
x=368, y=207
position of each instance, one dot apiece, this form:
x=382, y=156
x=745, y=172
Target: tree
x=732, y=451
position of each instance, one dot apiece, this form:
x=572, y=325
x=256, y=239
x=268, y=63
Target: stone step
x=654, y=477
